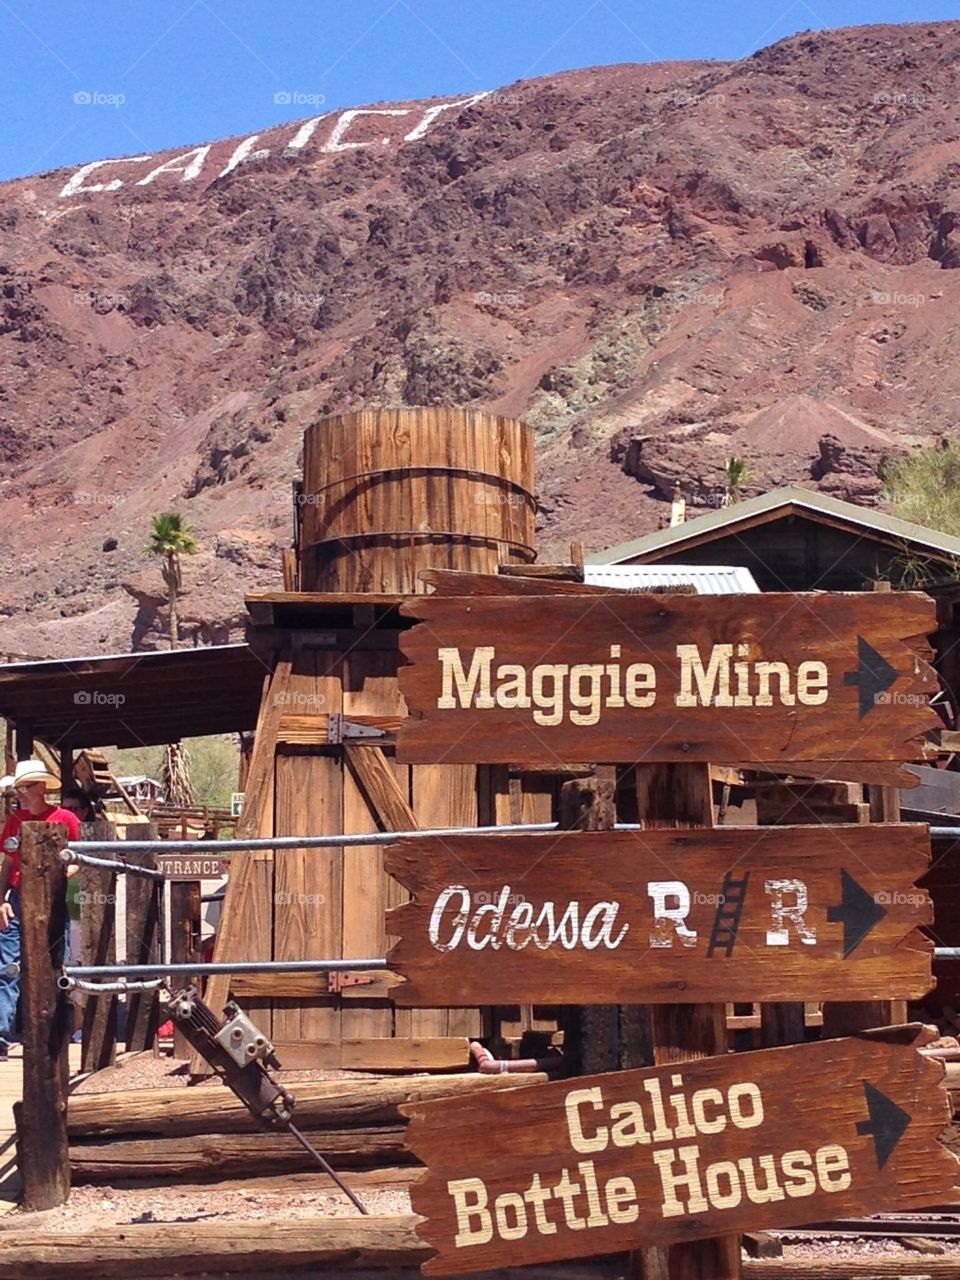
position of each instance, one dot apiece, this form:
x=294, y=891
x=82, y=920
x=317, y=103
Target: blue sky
x=170, y=72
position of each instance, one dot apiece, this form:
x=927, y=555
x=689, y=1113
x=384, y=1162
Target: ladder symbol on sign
x=729, y=911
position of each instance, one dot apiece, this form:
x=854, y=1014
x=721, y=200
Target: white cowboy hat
x=28, y=771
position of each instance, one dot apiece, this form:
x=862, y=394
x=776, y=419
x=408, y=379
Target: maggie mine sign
x=623, y=677
x=614, y=1162
x=821, y=913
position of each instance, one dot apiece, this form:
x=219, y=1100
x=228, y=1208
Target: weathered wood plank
x=628, y=678
x=98, y=919
x=142, y=942
x=336, y=1243
x=231, y=1154
x=663, y=916
x=247, y=878
x=42, y=1125
x=866, y=1144
x=335, y=1103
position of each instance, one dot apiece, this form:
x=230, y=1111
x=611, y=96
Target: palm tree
x=738, y=473
x=170, y=538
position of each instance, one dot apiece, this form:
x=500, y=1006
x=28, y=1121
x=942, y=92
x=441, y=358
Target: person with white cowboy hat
x=31, y=779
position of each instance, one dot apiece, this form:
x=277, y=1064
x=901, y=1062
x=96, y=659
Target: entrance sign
x=693, y=915
x=618, y=677
x=638, y=1158
x=179, y=866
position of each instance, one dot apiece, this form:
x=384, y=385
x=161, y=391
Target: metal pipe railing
x=218, y=848
x=229, y=966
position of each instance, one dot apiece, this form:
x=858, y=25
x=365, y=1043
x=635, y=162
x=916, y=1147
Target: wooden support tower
x=385, y=494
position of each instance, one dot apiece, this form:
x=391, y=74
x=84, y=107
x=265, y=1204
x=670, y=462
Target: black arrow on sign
x=887, y=1124
x=873, y=676
x=858, y=911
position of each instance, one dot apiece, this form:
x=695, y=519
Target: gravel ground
x=146, y=1071
x=93, y=1208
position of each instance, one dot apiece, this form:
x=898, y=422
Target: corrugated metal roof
x=818, y=505
x=709, y=580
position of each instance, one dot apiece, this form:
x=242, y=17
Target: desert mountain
x=659, y=266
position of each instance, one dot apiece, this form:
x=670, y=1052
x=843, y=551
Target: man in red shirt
x=31, y=780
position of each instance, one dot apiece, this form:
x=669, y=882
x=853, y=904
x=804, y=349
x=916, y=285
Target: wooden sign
x=613, y=1162
x=626, y=917
x=619, y=677
x=180, y=866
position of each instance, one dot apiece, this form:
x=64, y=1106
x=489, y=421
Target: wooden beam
x=256, y=819
x=42, y=1146
x=143, y=941
x=679, y=795
x=379, y=783
x=232, y=1154
x=178, y=1112
x=152, y=1249
x=98, y=917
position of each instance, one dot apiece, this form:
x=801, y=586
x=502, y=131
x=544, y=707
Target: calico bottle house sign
x=619, y=917
x=765, y=678
x=640, y=1158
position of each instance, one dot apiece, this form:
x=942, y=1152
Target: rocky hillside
x=658, y=266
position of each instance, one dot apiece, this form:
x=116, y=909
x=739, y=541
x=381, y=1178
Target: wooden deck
x=11, y=1091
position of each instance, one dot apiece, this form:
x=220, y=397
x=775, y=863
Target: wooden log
x=677, y=795
x=214, y=1155
x=337, y=1103
x=873, y=1268
x=148, y=1249
x=143, y=941
x=98, y=924
x=42, y=1145
x=185, y=917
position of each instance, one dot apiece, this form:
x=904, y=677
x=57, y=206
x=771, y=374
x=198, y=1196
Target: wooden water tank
x=387, y=492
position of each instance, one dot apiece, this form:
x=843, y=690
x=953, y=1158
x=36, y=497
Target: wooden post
x=185, y=915
x=42, y=1144
x=680, y=795
x=143, y=941
x=24, y=739
x=98, y=925
x=591, y=1032
x=847, y=1017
